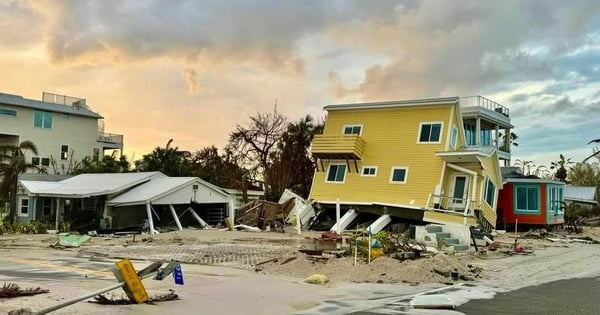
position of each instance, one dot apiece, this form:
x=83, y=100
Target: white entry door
x=459, y=191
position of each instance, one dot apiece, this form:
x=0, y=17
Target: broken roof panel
x=88, y=185
x=585, y=194
x=171, y=190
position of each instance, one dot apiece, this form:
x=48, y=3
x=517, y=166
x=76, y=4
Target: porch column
x=57, y=210
x=34, y=210
x=175, y=217
x=150, y=220
x=498, y=137
x=478, y=131
x=231, y=206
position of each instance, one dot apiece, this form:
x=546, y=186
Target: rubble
x=261, y=213
x=113, y=300
x=11, y=290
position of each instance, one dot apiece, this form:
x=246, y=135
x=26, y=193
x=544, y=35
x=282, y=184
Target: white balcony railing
x=482, y=102
x=448, y=204
x=110, y=138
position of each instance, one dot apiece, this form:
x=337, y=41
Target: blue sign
x=178, y=274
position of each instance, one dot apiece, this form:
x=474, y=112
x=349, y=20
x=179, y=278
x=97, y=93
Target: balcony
x=473, y=107
x=338, y=147
x=110, y=140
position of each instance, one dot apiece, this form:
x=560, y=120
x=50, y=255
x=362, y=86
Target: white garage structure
x=146, y=200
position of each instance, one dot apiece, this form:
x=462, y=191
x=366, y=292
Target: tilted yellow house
x=433, y=160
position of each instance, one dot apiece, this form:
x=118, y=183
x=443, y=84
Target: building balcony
x=110, y=140
x=338, y=147
x=479, y=106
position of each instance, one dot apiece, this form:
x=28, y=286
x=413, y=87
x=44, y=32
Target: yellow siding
x=390, y=140
x=490, y=166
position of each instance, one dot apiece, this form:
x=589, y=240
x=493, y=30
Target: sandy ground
x=276, y=288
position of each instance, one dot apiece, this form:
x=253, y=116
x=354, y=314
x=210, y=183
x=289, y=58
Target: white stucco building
x=62, y=128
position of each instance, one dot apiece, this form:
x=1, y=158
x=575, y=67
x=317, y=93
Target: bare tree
x=255, y=142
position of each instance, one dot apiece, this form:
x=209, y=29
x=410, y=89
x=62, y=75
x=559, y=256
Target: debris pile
x=113, y=300
x=261, y=213
x=11, y=290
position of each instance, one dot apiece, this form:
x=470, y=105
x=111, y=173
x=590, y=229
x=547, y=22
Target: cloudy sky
x=192, y=70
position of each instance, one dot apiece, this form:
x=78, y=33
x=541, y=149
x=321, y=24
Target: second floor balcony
x=338, y=147
x=110, y=139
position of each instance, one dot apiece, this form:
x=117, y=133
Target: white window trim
x=329, y=168
x=352, y=125
x=399, y=168
x=485, y=191
x=454, y=129
x=441, y=123
x=362, y=171
x=61, y=152
x=21, y=207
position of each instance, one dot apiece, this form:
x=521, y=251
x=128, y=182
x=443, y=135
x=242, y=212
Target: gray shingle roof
x=17, y=100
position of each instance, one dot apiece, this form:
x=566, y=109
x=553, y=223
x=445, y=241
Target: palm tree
x=596, y=150
x=559, y=166
x=13, y=163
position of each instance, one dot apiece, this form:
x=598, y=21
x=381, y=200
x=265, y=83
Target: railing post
x=468, y=204
x=428, y=199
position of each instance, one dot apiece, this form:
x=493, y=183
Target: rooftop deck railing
x=110, y=138
x=482, y=102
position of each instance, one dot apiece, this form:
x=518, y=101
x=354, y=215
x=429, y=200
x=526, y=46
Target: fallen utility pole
x=142, y=274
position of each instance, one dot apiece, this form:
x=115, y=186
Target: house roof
x=88, y=185
x=158, y=188
x=391, y=104
x=513, y=174
x=250, y=192
x=17, y=100
x=585, y=194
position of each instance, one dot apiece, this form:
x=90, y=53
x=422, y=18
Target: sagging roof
x=391, y=104
x=513, y=174
x=158, y=188
x=89, y=185
x=17, y=100
x=585, y=194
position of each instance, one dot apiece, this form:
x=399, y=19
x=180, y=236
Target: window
x=369, y=171
x=336, y=173
x=42, y=119
x=35, y=161
x=486, y=137
x=490, y=193
x=46, y=206
x=8, y=112
x=470, y=134
x=430, y=132
x=398, y=175
x=45, y=162
x=555, y=199
x=352, y=129
x=24, y=208
x=454, y=136
x=527, y=199
x=96, y=155
x=64, y=152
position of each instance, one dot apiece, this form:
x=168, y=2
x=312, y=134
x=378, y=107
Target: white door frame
x=462, y=203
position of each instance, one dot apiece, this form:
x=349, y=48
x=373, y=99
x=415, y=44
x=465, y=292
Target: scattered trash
x=317, y=279
x=11, y=290
x=21, y=311
x=68, y=240
x=432, y=301
x=102, y=299
x=287, y=260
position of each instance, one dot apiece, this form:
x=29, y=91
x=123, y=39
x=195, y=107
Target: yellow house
x=433, y=160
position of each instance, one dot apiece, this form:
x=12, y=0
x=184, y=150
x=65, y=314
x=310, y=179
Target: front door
x=459, y=189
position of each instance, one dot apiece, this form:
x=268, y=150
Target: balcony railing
x=449, y=204
x=110, y=138
x=482, y=102
x=344, y=147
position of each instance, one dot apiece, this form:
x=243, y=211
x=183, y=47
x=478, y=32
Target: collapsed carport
x=181, y=201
